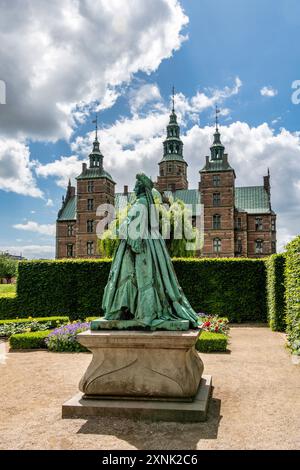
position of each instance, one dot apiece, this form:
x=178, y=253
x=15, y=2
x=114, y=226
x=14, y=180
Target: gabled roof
x=252, y=199
x=69, y=210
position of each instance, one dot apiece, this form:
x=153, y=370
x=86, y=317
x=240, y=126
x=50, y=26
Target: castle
x=238, y=221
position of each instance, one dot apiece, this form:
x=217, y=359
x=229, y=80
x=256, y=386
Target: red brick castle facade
x=238, y=221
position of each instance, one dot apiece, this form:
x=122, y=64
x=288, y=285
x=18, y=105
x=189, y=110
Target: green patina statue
x=142, y=289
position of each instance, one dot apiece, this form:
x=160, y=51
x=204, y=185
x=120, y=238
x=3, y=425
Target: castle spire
x=173, y=99
x=95, y=121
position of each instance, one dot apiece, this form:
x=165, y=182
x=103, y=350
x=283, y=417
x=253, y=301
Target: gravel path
x=255, y=405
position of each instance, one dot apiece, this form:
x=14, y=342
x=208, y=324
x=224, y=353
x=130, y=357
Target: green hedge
x=276, y=292
x=35, y=340
x=52, y=320
x=235, y=288
x=70, y=288
x=8, y=307
x=292, y=295
x=212, y=342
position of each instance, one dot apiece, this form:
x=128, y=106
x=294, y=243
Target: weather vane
x=95, y=121
x=217, y=119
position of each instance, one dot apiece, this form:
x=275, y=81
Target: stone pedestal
x=158, y=364
x=151, y=374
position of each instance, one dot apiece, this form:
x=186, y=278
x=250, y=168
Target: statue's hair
x=146, y=182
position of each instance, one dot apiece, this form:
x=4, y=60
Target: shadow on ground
x=158, y=435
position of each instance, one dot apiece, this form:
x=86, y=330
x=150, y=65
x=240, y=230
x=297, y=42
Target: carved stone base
x=145, y=364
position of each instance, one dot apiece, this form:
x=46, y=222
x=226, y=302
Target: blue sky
x=241, y=55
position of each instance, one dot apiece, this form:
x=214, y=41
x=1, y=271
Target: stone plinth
x=154, y=410
x=142, y=365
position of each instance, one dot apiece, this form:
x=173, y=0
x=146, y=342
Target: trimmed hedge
x=235, y=288
x=8, y=307
x=230, y=287
x=292, y=295
x=212, y=342
x=276, y=292
x=35, y=340
x=52, y=320
x=70, y=288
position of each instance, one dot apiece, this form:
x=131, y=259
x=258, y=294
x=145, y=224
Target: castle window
x=70, y=230
x=273, y=247
x=161, y=172
x=258, y=223
x=217, y=245
x=70, y=250
x=90, y=226
x=239, y=246
x=258, y=247
x=90, y=248
x=170, y=168
x=90, y=204
x=216, y=180
x=90, y=186
x=238, y=223
x=273, y=225
x=216, y=199
x=216, y=221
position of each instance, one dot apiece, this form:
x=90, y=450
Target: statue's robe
x=142, y=279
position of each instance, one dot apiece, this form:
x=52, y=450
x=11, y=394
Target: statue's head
x=142, y=183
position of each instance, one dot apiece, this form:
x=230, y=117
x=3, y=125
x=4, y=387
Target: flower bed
x=63, y=339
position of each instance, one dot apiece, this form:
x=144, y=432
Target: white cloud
x=69, y=54
x=16, y=169
x=49, y=203
x=147, y=93
x=268, y=91
x=42, y=229
x=62, y=169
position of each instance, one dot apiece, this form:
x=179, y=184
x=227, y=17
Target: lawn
x=7, y=290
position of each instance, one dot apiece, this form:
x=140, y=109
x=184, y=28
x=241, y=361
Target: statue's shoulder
x=141, y=200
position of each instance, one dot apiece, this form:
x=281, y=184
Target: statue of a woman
x=142, y=283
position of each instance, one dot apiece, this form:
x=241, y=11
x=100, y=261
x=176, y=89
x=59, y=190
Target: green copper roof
x=173, y=157
x=94, y=173
x=252, y=199
x=216, y=165
x=69, y=211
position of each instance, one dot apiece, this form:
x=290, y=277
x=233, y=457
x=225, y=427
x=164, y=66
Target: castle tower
x=95, y=186
x=217, y=186
x=172, y=167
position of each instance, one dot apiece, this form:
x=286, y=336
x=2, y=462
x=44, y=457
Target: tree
x=8, y=267
x=174, y=219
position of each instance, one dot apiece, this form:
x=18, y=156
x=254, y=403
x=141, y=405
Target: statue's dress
x=142, y=279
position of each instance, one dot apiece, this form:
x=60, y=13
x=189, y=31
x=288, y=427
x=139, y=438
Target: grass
x=7, y=290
